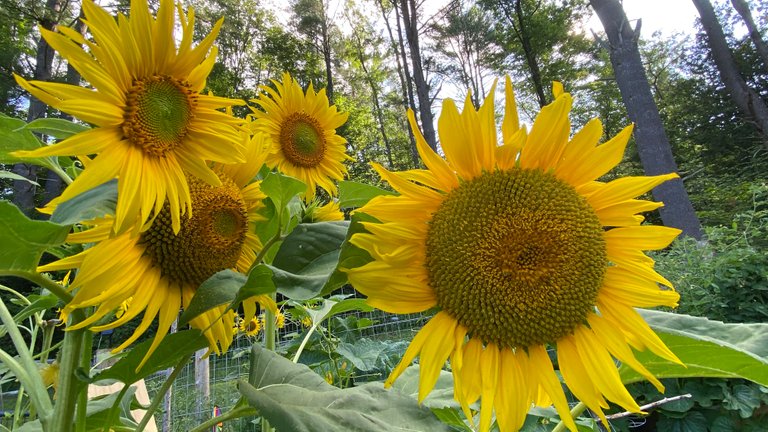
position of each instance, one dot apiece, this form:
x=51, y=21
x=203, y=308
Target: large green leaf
x=24, y=240
x=14, y=136
x=307, y=258
x=93, y=203
x=259, y=282
x=293, y=398
x=350, y=256
x=219, y=289
x=170, y=352
x=707, y=348
x=354, y=194
x=56, y=127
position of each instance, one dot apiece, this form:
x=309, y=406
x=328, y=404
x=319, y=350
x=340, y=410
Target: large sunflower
x=158, y=271
x=302, y=127
x=518, y=246
x=152, y=124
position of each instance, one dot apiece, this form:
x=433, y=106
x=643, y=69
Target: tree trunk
x=742, y=8
x=517, y=20
x=327, y=56
x=650, y=138
x=746, y=99
x=375, y=100
x=408, y=9
x=24, y=192
x=405, y=85
x=54, y=185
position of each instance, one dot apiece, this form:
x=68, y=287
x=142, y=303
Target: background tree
x=313, y=21
x=650, y=138
x=747, y=99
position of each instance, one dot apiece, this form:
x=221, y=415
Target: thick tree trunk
x=408, y=10
x=652, y=143
x=746, y=99
x=405, y=85
x=742, y=8
x=24, y=192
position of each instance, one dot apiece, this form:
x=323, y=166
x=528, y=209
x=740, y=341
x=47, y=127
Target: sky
x=668, y=16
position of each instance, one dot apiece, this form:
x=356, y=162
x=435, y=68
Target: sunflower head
x=302, y=128
x=518, y=245
x=153, y=126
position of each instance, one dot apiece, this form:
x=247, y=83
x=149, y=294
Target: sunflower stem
x=232, y=414
x=270, y=340
x=263, y=252
x=85, y=363
x=69, y=387
x=575, y=412
x=61, y=173
x=42, y=281
x=25, y=368
x=160, y=396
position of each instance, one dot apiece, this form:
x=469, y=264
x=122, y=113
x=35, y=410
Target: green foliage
x=25, y=240
x=295, y=398
x=725, y=278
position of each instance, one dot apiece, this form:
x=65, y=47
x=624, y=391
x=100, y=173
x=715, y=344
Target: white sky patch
x=666, y=16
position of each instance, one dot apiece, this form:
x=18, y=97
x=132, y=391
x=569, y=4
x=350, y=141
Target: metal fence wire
x=192, y=401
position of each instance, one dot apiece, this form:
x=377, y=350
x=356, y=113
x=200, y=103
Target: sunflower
x=152, y=123
x=251, y=327
x=518, y=246
x=158, y=272
x=329, y=212
x=302, y=127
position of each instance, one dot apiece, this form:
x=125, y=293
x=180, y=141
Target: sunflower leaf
x=307, y=258
x=93, y=203
x=24, y=240
x=708, y=349
x=217, y=290
x=292, y=397
x=259, y=282
x=14, y=136
x=281, y=188
x=354, y=194
x=175, y=346
x=56, y=127
x=14, y=176
x=350, y=256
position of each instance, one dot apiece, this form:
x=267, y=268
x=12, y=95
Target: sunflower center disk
x=301, y=140
x=209, y=242
x=517, y=257
x=157, y=113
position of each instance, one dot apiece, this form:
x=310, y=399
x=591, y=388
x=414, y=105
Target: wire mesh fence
x=191, y=401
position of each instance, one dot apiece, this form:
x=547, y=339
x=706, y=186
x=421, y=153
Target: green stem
x=35, y=387
x=85, y=364
x=158, y=399
x=69, y=387
x=114, y=412
x=61, y=173
x=43, y=281
x=242, y=411
x=270, y=340
x=17, y=418
x=575, y=412
x=263, y=252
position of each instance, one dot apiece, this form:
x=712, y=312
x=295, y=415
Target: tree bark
x=54, y=185
x=517, y=20
x=327, y=55
x=650, y=138
x=746, y=99
x=24, y=192
x=405, y=85
x=742, y=8
x=408, y=10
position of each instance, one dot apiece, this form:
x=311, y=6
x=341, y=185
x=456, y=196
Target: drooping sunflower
x=302, y=127
x=518, y=246
x=152, y=124
x=158, y=272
